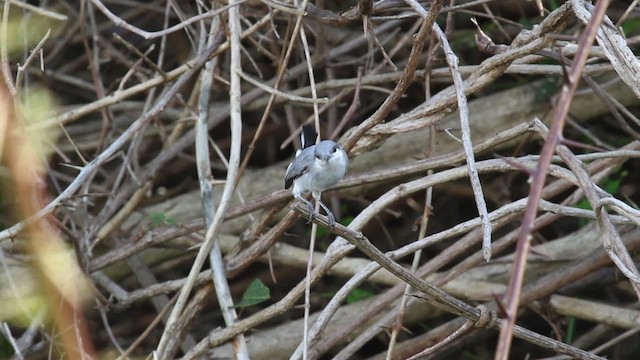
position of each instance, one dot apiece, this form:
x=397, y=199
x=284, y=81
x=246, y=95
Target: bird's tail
x=308, y=136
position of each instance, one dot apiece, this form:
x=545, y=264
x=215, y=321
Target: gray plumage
x=316, y=168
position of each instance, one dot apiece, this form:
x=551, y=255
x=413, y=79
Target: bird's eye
x=335, y=149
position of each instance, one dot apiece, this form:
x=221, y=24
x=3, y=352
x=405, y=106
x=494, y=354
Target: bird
x=315, y=169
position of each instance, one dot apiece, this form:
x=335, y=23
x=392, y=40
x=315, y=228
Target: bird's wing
x=299, y=166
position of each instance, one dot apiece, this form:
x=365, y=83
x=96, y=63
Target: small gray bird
x=316, y=168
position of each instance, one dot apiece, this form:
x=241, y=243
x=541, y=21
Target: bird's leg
x=332, y=219
x=312, y=211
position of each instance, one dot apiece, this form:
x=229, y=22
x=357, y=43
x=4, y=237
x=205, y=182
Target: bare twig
x=45, y=245
x=156, y=34
x=212, y=230
x=277, y=92
x=148, y=330
x=77, y=113
x=34, y=53
x=624, y=61
x=107, y=153
x=456, y=334
x=40, y=11
x=426, y=213
x=559, y=116
x=452, y=60
x=404, y=82
x=279, y=76
x=355, y=104
x=434, y=295
x=204, y=174
x=314, y=227
x=426, y=114
x=6, y=333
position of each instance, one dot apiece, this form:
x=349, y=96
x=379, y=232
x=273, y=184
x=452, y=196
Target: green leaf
x=546, y=89
x=571, y=329
x=583, y=204
x=612, y=184
x=631, y=26
x=322, y=231
x=159, y=219
x=327, y=294
x=5, y=348
x=358, y=295
x=256, y=293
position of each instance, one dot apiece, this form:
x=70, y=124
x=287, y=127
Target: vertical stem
x=538, y=178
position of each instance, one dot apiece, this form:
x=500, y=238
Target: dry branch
x=140, y=85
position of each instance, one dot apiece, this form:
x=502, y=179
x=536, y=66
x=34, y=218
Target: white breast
x=323, y=174
x=328, y=173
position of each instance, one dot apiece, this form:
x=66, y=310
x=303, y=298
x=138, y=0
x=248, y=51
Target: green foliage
x=631, y=26
x=583, y=204
x=322, y=231
x=30, y=32
x=571, y=329
x=353, y=297
x=359, y=295
x=465, y=39
x=610, y=184
x=6, y=351
x=526, y=23
x=347, y=220
x=553, y=4
x=547, y=89
x=472, y=356
x=158, y=219
x=327, y=294
x=256, y=293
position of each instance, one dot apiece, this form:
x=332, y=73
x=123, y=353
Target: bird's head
x=326, y=149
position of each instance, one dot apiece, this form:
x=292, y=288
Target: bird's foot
x=332, y=220
x=312, y=213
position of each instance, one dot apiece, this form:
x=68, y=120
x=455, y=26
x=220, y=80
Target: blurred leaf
x=548, y=88
x=19, y=297
x=610, y=184
x=583, y=204
x=358, y=295
x=631, y=26
x=322, y=231
x=25, y=32
x=256, y=293
x=158, y=219
x=327, y=294
x=12, y=309
x=347, y=220
x=38, y=104
x=526, y=22
x=571, y=329
x=472, y=356
x=6, y=350
x=59, y=266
